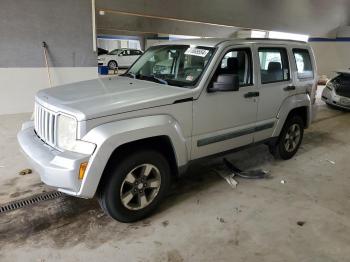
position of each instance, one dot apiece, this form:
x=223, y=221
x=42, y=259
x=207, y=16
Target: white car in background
x=337, y=90
x=124, y=57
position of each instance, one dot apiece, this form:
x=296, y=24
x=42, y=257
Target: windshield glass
x=115, y=52
x=178, y=65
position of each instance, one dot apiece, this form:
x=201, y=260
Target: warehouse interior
x=300, y=213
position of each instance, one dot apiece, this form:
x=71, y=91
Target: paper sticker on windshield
x=189, y=78
x=196, y=52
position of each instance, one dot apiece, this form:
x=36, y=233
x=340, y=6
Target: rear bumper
x=56, y=169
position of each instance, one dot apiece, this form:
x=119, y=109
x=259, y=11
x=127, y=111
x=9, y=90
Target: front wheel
x=112, y=65
x=290, y=138
x=135, y=186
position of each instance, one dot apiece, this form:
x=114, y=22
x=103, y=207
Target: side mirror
x=225, y=83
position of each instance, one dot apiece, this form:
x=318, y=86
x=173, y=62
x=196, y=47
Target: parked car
x=119, y=58
x=101, y=51
x=123, y=139
x=337, y=90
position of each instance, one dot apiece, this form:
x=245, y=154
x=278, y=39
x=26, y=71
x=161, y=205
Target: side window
x=274, y=66
x=134, y=52
x=303, y=62
x=237, y=62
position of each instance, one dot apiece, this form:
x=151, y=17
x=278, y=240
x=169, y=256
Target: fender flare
x=110, y=136
x=290, y=103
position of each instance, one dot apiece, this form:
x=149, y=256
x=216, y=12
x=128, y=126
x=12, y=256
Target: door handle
x=289, y=88
x=251, y=94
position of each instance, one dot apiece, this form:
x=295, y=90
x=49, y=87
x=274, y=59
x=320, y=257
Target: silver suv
x=124, y=138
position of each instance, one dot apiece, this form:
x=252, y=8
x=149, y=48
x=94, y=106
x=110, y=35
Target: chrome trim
x=231, y=135
x=45, y=122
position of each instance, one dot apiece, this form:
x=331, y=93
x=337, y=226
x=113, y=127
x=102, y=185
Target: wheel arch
x=300, y=111
x=160, y=144
x=294, y=105
x=161, y=132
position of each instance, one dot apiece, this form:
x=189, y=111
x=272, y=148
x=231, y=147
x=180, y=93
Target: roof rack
x=275, y=39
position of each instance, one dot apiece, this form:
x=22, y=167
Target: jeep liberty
x=123, y=138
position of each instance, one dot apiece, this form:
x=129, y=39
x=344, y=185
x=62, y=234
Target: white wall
x=331, y=56
x=111, y=44
x=19, y=85
x=65, y=26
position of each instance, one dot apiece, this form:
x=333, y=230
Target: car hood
x=108, y=96
x=102, y=56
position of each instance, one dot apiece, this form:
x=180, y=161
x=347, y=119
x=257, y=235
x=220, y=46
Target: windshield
x=178, y=65
x=115, y=52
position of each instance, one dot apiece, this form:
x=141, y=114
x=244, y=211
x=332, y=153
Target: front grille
x=45, y=124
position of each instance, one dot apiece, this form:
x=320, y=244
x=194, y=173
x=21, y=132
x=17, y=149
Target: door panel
x=121, y=61
x=132, y=59
x=226, y=120
x=275, y=85
x=304, y=68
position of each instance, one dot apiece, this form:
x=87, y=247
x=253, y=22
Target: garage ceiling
x=113, y=21
x=314, y=17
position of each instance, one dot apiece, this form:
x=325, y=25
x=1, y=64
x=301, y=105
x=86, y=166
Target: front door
x=226, y=120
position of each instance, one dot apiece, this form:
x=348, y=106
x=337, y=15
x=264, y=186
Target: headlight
x=67, y=136
x=66, y=132
x=329, y=85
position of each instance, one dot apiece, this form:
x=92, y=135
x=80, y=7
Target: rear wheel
x=135, y=187
x=290, y=138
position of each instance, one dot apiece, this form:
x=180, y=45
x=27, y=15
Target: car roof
x=213, y=42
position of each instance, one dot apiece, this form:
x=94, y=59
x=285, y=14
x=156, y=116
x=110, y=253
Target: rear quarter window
x=304, y=65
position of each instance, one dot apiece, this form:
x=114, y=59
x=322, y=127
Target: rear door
x=304, y=76
x=123, y=59
x=134, y=55
x=275, y=85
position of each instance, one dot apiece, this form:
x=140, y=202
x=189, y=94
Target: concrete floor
x=203, y=218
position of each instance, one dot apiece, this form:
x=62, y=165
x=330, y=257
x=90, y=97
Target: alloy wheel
x=292, y=138
x=140, y=187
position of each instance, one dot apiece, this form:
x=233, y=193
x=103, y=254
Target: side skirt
x=183, y=169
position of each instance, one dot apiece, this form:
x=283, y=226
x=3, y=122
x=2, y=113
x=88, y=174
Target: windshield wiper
x=151, y=78
x=160, y=80
x=129, y=75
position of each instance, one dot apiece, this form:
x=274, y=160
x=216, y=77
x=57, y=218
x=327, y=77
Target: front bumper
x=101, y=62
x=56, y=169
x=331, y=98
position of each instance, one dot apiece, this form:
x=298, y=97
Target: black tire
x=111, y=191
x=112, y=65
x=281, y=150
